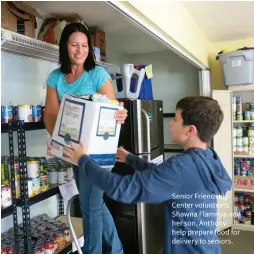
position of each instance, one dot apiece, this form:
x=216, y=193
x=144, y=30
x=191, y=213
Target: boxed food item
x=99, y=41
x=90, y=119
x=18, y=17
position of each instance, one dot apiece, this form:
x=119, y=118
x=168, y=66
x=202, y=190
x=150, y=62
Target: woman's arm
x=51, y=109
x=107, y=89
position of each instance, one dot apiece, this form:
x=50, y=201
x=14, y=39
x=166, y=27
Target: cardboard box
x=92, y=122
x=18, y=17
x=99, y=38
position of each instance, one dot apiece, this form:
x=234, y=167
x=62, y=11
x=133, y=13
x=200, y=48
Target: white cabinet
x=223, y=145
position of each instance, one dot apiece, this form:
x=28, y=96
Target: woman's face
x=78, y=48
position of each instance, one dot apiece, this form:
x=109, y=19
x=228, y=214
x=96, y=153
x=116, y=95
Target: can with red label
x=37, y=251
x=3, y=249
x=49, y=247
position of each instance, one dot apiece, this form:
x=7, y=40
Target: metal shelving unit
x=22, y=45
x=27, y=126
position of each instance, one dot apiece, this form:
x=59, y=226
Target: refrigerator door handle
x=148, y=132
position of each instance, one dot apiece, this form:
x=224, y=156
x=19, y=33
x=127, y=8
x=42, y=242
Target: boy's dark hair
x=64, y=59
x=203, y=112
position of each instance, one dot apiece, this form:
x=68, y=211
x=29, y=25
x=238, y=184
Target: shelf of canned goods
x=27, y=181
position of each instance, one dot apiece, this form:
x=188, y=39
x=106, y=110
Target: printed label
x=236, y=63
x=107, y=122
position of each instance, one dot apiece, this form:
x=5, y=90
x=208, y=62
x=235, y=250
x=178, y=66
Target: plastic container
x=238, y=67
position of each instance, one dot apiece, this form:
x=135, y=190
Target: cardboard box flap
x=26, y=8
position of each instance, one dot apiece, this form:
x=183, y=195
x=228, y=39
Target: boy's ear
x=192, y=130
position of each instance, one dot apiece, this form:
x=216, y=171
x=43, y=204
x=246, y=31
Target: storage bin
x=238, y=67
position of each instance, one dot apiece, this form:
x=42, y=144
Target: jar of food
x=62, y=176
x=33, y=168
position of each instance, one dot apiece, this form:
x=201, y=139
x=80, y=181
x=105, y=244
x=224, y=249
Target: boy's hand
x=73, y=155
x=121, y=154
x=121, y=115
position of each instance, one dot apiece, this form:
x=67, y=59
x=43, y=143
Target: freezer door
x=151, y=218
x=148, y=127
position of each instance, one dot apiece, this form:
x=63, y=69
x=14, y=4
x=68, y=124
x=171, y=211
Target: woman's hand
x=73, y=155
x=49, y=147
x=121, y=154
x=121, y=115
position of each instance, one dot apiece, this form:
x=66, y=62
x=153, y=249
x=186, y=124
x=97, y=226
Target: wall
x=173, y=21
x=173, y=79
x=215, y=66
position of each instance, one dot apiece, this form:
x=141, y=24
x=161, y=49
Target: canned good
x=6, y=196
x=62, y=176
x=52, y=175
x=42, y=165
x=49, y=247
x=25, y=113
x=44, y=182
x=70, y=172
x=6, y=114
x=33, y=168
x=234, y=132
x=239, y=141
x=15, y=112
x=34, y=187
x=5, y=173
x=239, y=116
x=18, y=189
x=37, y=251
x=36, y=112
x=3, y=249
x=247, y=115
x=60, y=239
x=252, y=115
x=53, y=240
x=239, y=131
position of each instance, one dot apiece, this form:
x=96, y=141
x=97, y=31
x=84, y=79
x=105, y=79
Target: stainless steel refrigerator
x=140, y=226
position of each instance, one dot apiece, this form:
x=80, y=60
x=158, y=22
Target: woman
x=78, y=74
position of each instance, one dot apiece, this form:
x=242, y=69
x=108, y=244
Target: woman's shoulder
x=98, y=70
x=55, y=72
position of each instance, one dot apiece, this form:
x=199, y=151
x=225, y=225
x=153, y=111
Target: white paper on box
x=92, y=122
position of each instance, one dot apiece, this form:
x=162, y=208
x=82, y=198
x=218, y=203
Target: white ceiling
x=122, y=34
x=224, y=20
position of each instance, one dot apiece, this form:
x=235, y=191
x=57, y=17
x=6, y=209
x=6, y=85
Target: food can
x=239, y=131
x=247, y=115
x=6, y=114
x=52, y=174
x=53, y=240
x=252, y=115
x=25, y=113
x=234, y=132
x=33, y=168
x=42, y=165
x=70, y=172
x=18, y=189
x=5, y=173
x=239, y=116
x=3, y=249
x=49, y=247
x=34, y=187
x=6, y=196
x=37, y=251
x=62, y=175
x=15, y=112
x=60, y=239
x=239, y=141
x=44, y=182
x=37, y=113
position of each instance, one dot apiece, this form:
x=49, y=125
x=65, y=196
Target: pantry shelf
x=6, y=211
x=243, y=156
x=28, y=126
x=244, y=121
x=22, y=45
x=243, y=227
x=53, y=190
x=244, y=190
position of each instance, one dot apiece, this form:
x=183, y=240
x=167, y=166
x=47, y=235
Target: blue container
x=6, y=114
x=36, y=112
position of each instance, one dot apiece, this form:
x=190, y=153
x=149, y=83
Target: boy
x=188, y=183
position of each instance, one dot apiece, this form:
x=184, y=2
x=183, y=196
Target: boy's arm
x=138, y=163
x=154, y=186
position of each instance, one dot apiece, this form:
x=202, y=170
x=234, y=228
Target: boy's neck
x=194, y=144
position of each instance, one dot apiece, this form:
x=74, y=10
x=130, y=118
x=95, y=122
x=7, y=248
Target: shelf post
x=24, y=186
x=13, y=187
